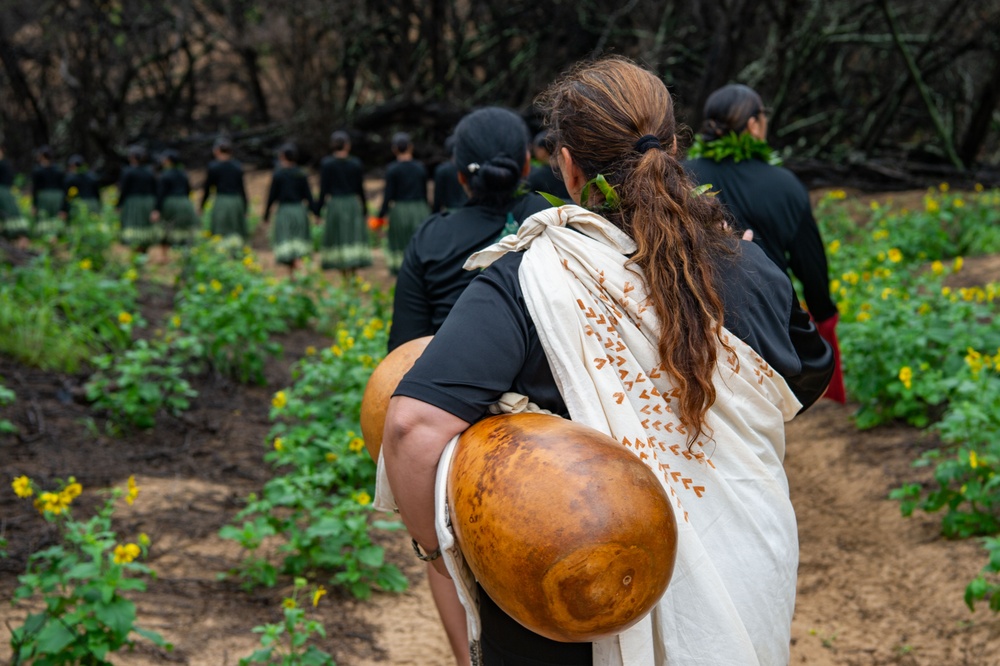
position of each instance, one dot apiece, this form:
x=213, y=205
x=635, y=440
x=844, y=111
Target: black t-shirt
x=543, y=179
x=226, y=176
x=341, y=176
x=773, y=203
x=448, y=192
x=432, y=278
x=404, y=181
x=488, y=344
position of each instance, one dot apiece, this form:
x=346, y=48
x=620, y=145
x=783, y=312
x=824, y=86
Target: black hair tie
x=646, y=142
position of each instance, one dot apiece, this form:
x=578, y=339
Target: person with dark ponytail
x=229, y=212
x=448, y=192
x=290, y=238
x=174, y=209
x=706, y=331
x=732, y=155
x=404, y=199
x=136, y=202
x=345, y=245
x=47, y=195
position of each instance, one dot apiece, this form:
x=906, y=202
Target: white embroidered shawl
x=733, y=589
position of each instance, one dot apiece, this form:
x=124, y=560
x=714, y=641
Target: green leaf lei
x=737, y=146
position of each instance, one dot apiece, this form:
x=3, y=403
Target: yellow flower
x=176, y=321
x=880, y=234
x=318, y=594
x=310, y=351
x=945, y=291
x=216, y=285
x=973, y=460
x=837, y=195
x=924, y=309
x=248, y=260
x=363, y=498
x=886, y=293
x=124, y=318
x=873, y=205
x=895, y=256
x=279, y=400
x=833, y=246
x=52, y=502
x=126, y=553
x=272, y=299
x=73, y=192
x=71, y=491
x=937, y=267
x=943, y=187
x=279, y=444
x=931, y=205
x=958, y=203
x=131, y=275
x=356, y=444
x=86, y=264
x=144, y=540
x=331, y=457
x=22, y=487
x=863, y=316
x=288, y=603
x=337, y=351
x=880, y=256
x=133, y=490
x=979, y=187
x=906, y=376
x=957, y=266
x=201, y=288
x=377, y=324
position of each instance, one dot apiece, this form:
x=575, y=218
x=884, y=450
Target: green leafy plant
x=80, y=581
x=286, y=643
x=7, y=397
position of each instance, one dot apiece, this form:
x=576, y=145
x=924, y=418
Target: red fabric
x=828, y=331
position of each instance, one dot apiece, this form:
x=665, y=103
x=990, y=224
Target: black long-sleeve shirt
x=773, y=203
x=404, y=181
x=136, y=181
x=289, y=185
x=341, y=176
x=48, y=177
x=226, y=177
x=172, y=183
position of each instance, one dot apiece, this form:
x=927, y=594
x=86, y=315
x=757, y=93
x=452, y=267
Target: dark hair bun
x=499, y=174
x=491, y=148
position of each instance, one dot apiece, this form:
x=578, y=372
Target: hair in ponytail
x=617, y=119
x=729, y=109
x=491, y=147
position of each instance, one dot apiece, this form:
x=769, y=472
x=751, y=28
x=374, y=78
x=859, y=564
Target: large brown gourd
x=568, y=532
x=380, y=388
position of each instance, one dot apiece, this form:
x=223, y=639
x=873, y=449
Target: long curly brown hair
x=599, y=111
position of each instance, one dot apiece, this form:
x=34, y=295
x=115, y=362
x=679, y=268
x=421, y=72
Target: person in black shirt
x=136, y=201
x=83, y=193
x=698, y=277
x=491, y=149
x=345, y=245
x=174, y=209
x=290, y=238
x=13, y=223
x=766, y=199
x=542, y=178
x=448, y=192
x=229, y=211
x=47, y=195
x=404, y=199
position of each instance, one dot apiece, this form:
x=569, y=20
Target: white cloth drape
x=733, y=589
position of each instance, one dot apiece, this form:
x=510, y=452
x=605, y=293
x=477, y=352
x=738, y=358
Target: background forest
x=880, y=93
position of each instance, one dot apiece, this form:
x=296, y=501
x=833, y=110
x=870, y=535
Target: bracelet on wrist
x=429, y=557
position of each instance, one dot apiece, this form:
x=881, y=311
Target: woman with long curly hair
x=693, y=312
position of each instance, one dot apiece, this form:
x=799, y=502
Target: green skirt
x=291, y=239
x=404, y=218
x=47, y=220
x=13, y=223
x=180, y=222
x=345, y=234
x=137, y=230
x=229, y=220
